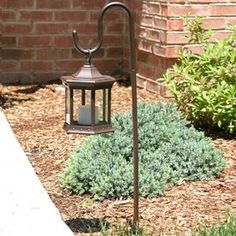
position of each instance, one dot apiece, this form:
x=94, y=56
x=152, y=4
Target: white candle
x=84, y=116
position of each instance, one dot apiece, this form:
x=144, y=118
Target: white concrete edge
x=25, y=207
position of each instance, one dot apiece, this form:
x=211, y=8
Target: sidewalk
x=25, y=207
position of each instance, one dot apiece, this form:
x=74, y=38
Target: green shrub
x=169, y=152
x=204, y=85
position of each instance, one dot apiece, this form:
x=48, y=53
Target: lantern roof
x=88, y=77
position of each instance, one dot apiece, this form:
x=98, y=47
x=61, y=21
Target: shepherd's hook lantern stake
x=88, y=80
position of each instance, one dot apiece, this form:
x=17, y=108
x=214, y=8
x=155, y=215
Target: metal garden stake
x=89, y=79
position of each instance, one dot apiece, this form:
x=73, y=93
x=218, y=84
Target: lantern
x=91, y=117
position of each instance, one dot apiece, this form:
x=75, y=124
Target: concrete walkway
x=25, y=207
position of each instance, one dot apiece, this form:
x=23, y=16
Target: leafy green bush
x=169, y=152
x=204, y=85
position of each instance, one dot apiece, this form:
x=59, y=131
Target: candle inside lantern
x=84, y=116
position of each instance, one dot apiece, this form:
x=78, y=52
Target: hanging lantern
x=93, y=114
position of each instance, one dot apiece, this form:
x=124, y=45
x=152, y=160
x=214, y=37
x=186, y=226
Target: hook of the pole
x=86, y=51
x=76, y=43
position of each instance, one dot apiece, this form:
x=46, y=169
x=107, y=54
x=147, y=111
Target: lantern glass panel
x=83, y=106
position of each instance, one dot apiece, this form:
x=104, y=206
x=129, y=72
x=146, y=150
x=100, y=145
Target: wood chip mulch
x=36, y=115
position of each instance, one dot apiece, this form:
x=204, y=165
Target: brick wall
x=37, y=42
x=161, y=32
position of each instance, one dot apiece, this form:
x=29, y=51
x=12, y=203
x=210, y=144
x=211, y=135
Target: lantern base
x=79, y=129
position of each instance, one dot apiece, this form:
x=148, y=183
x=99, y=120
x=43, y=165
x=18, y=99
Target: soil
x=36, y=115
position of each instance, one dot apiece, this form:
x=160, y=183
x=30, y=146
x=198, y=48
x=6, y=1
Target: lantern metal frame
x=88, y=52
x=88, y=78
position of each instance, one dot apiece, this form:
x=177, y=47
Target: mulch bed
x=36, y=115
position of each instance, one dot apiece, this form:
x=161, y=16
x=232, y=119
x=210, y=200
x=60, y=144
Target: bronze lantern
x=91, y=118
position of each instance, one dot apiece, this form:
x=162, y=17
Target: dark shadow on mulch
x=83, y=225
x=30, y=90
x=216, y=133
x=8, y=100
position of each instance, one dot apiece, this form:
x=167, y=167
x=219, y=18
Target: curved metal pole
x=89, y=52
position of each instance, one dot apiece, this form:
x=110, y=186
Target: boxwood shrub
x=169, y=152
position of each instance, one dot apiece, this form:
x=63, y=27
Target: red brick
x=88, y=4
x=172, y=52
x=8, y=66
x=222, y=10
x=36, y=66
x=146, y=70
x=163, y=37
x=165, y=92
x=141, y=81
x=169, y=62
x=219, y=35
x=86, y=29
x=164, y=10
x=196, y=49
x=100, y=53
x=111, y=15
x=114, y=52
x=136, y=5
x=8, y=41
x=183, y=10
x=159, y=50
x=113, y=40
x=214, y=23
x=36, y=15
x=177, y=1
x=68, y=66
x=147, y=20
x=142, y=56
x=52, y=28
x=177, y=38
x=160, y=23
x=115, y=15
x=107, y=66
x=8, y=16
x=153, y=8
x=45, y=77
x=63, y=41
x=145, y=45
x=35, y=41
x=115, y=28
x=17, y=54
x=71, y=16
x=175, y=24
x=230, y=20
x=153, y=35
x=17, y=28
x=49, y=54
x=17, y=4
x=146, y=57
x=152, y=85
x=208, y=1
x=143, y=32
x=54, y=4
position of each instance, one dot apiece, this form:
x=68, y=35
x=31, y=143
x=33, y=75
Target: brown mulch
x=36, y=114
